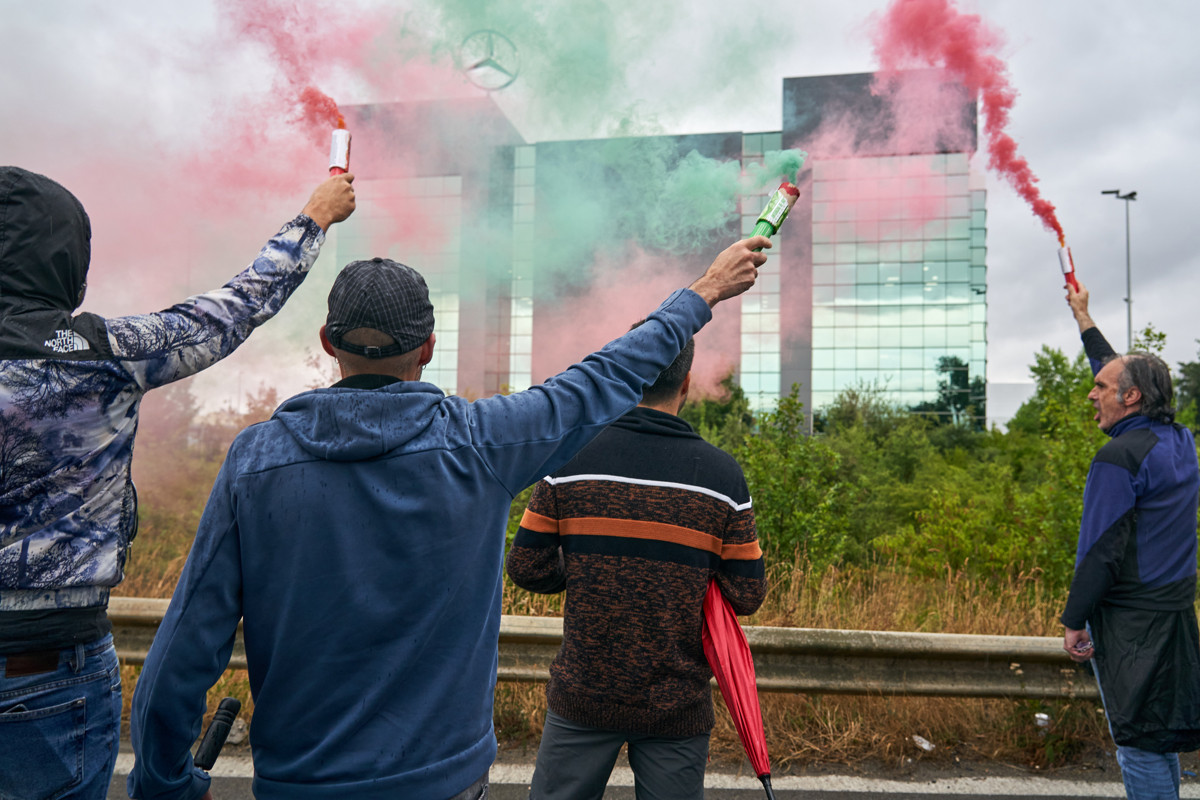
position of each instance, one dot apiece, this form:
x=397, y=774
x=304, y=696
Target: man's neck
x=671, y=408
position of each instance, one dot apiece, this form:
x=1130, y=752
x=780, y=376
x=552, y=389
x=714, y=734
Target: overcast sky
x=1107, y=100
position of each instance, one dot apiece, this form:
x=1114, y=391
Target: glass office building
x=877, y=278
x=899, y=275
x=761, y=365
x=440, y=258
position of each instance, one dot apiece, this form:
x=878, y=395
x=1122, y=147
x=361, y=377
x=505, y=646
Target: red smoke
x=934, y=33
x=309, y=42
x=320, y=109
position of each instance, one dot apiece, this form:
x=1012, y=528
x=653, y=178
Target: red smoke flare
x=319, y=109
x=307, y=44
x=934, y=33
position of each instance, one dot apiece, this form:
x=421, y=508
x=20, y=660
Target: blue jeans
x=575, y=761
x=60, y=723
x=1147, y=775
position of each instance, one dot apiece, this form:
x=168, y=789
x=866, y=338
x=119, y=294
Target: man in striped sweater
x=634, y=528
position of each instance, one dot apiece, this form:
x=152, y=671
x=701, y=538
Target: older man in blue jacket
x=1131, y=606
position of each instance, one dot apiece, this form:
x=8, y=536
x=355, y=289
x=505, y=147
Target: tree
x=1187, y=392
x=799, y=500
x=724, y=420
x=1150, y=340
x=961, y=400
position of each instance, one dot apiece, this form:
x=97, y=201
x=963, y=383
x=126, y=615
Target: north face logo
x=66, y=342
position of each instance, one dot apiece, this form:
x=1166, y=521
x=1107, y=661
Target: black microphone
x=218, y=731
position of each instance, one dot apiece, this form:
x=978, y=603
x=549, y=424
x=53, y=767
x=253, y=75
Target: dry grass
x=802, y=731
x=810, y=730
x=888, y=598
x=807, y=730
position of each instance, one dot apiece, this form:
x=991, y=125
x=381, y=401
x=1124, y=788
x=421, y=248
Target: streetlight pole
x=1116, y=193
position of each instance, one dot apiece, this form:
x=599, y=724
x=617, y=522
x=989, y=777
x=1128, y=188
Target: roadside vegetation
x=884, y=519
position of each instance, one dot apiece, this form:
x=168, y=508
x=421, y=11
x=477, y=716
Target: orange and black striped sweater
x=633, y=528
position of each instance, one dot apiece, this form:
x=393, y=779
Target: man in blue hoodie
x=70, y=389
x=359, y=535
x=1131, y=606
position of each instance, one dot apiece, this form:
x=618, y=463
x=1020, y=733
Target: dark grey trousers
x=574, y=762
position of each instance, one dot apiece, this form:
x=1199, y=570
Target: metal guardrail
x=799, y=660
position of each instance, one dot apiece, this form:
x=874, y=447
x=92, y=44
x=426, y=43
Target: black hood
x=45, y=243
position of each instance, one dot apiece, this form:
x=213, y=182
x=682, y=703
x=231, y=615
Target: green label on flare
x=776, y=210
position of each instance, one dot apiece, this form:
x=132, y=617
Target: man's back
x=358, y=587
x=645, y=515
x=359, y=533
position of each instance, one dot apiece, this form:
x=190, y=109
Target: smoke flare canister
x=776, y=210
x=339, y=152
x=1067, y=262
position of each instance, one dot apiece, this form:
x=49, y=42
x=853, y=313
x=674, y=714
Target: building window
x=438, y=200
x=898, y=275
x=760, y=360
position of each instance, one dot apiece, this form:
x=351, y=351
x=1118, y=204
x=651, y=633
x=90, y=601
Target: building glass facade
x=878, y=276
x=899, y=276
x=761, y=340
x=439, y=259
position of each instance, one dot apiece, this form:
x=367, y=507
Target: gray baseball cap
x=382, y=295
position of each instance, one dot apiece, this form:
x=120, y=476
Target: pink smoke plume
x=320, y=108
x=934, y=33
x=307, y=45
x=627, y=287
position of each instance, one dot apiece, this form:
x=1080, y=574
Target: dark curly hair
x=671, y=378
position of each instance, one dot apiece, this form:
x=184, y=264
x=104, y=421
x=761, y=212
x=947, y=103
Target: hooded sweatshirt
x=359, y=534
x=70, y=389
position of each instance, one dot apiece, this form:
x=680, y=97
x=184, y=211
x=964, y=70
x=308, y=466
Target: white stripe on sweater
x=665, y=484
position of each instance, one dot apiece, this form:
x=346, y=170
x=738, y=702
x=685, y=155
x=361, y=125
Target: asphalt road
x=232, y=774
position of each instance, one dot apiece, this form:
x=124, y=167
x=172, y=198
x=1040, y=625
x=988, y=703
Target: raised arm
x=1078, y=301
x=561, y=415
x=733, y=272
x=1096, y=347
x=193, y=335
x=332, y=201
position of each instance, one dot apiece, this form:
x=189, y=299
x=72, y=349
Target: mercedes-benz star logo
x=489, y=60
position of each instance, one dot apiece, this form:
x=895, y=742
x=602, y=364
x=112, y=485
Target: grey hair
x=1152, y=377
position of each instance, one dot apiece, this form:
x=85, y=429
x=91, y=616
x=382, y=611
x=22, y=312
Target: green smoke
x=783, y=165
x=574, y=56
x=581, y=63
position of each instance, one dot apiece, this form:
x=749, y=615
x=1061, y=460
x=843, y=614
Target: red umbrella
x=728, y=654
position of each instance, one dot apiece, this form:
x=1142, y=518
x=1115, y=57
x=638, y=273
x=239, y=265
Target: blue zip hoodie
x=360, y=535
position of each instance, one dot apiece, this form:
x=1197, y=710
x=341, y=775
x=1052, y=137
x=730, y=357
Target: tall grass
x=802, y=730
x=805, y=730
x=809, y=730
